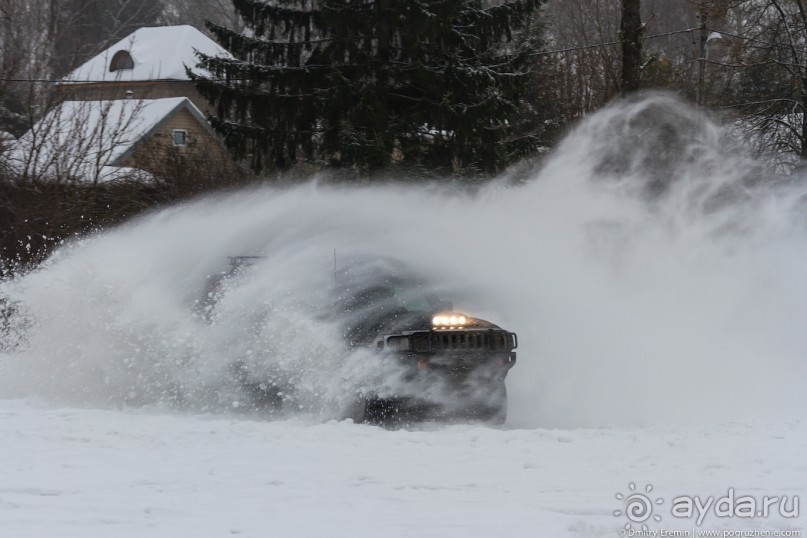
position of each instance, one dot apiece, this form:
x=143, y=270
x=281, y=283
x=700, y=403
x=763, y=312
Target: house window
x=180, y=137
x=121, y=60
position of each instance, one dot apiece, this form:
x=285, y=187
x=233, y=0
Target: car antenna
x=334, y=266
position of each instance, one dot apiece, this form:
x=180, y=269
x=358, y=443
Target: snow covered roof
x=157, y=53
x=81, y=139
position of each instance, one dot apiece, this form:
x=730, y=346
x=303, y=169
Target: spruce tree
x=364, y=84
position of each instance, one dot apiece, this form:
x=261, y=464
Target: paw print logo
x=638, y=507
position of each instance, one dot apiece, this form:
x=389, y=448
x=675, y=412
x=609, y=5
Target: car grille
x=465, y=341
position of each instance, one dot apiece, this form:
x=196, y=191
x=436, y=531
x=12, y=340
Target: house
x=129, y=110
x=150, y=63
x=97, y=141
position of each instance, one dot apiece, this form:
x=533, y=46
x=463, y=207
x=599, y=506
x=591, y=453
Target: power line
x=607, y=44
x=540, y=53
x=746, y=38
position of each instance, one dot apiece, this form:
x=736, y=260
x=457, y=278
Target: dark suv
x=439, y=363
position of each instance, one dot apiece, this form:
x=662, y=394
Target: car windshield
x=418, y=300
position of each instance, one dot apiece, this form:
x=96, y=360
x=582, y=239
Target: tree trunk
x=631, y=37
x=803, y=141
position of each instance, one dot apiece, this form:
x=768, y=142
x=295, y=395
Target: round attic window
x=121, y=60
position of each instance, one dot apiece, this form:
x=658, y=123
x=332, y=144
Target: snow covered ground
x=656, y=280
x=91, y=473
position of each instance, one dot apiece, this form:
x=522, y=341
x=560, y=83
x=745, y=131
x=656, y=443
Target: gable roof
x=159, y=53
x=78, y=139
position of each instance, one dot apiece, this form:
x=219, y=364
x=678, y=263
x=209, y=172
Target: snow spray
x=652, y=270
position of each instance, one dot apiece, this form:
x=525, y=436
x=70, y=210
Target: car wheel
x=493, y=411
x=262, y=395
x=356, y=410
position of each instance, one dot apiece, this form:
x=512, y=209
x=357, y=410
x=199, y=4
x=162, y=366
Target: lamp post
x=702, y=60
x=703, y=54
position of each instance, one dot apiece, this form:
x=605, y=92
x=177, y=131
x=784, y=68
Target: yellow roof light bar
x=449, y=320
